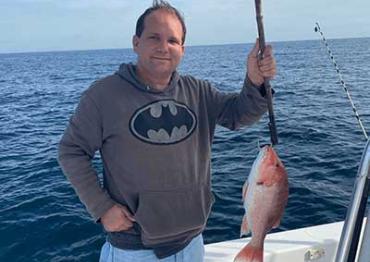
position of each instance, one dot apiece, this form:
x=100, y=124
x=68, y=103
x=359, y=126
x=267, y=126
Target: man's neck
x=156, y=83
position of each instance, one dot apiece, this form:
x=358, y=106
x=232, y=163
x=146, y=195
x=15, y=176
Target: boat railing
x=351, y=233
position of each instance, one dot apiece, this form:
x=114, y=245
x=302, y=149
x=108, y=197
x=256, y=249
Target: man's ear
x=135, y=42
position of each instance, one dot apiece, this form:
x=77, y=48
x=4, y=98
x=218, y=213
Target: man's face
x=159, y=48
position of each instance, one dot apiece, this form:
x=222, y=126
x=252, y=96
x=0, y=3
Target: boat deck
x=317, y=243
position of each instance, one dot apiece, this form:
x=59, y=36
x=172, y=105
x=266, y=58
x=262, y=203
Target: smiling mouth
x=162, y=58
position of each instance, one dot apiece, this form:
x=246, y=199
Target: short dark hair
x=160, y=4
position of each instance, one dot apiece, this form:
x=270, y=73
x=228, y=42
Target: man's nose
x=163, y=46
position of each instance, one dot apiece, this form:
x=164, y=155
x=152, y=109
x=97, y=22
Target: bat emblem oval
x=163, y=122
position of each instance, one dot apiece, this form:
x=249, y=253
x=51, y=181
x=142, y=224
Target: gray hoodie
x=156, y=150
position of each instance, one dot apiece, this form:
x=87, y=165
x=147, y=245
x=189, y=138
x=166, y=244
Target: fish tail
x=250, y=254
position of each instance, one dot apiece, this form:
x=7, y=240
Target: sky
x=49, y=25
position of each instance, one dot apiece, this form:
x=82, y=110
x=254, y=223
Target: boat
x=345, y=241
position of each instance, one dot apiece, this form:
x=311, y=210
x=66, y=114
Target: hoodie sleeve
x=81, y=139
x=233, y=110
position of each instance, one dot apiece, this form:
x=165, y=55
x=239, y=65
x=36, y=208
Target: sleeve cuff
x=261, y=88
x=101, y=209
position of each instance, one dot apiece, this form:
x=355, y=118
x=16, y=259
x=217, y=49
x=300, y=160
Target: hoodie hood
x=128, y=73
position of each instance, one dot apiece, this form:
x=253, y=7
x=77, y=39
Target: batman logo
x=163, y=122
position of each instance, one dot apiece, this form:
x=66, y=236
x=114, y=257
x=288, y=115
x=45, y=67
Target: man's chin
x=161, y=64
x=163, y=70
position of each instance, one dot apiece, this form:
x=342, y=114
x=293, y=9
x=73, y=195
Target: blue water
x=321, y=144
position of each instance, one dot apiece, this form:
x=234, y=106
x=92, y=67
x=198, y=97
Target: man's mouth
x=161, y=58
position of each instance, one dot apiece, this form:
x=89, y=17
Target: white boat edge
x=315, y=243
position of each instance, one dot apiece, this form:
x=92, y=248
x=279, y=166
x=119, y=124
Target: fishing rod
x=318, y=29
x=267, y=85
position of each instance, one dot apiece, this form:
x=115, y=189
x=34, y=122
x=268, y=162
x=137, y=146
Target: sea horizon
x=186, y=46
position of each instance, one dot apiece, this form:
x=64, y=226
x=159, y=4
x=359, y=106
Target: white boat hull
x=317, y=243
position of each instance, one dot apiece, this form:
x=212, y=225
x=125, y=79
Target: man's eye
x=173, y=41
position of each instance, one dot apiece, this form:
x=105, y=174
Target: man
x=154, y=130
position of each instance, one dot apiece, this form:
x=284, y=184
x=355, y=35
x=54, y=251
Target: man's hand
x=117, y=218
x=260, y=69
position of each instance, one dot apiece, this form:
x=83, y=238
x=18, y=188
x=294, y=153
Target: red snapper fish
x=265, y=195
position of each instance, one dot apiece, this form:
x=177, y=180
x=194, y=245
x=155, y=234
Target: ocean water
x=41, y=218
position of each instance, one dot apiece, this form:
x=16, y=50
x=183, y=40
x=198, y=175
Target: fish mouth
x=263, y=145
x=269, y=155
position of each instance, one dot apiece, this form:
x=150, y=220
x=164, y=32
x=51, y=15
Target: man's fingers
x=118, y=218
x=255, y=50
x=127, y=214
x=126, y=224
x=267, y=51
x=267, y=61
x=269, y=74
x=123, y=225
x=267, y=67
x=260, y=68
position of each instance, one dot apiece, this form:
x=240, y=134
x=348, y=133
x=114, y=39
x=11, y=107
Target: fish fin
x=276, y=224
x=244, y=229
x=250, y=254
x=245, y=189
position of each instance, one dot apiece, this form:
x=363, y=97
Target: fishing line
x=318, y=29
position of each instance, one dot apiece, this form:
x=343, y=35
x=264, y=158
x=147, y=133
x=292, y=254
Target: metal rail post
x=364, y=255
x=351, y=231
